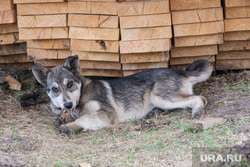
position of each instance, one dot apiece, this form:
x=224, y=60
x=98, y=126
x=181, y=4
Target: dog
x=103, y=103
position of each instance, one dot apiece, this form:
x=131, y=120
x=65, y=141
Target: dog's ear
x=40, y=73
x=72, y=64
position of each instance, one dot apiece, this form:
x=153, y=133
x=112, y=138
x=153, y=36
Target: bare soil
x=28, y=137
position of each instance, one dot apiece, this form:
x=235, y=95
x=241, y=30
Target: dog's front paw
x=69, y=130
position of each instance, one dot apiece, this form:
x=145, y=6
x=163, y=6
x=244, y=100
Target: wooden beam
x=6, y=5
x=189, y=60
x=48, y=54
x=18, y=48
x=14, y=84
x=237, y=12
x=104, y=73
x=193, y=4
x=43, y=33
x=36, y=1
x=131, y=72
x=233, y=3
x=42, y=8
x=92, y=0
x=8, y=28
x=142, y=66
x=100, y=65
x=42, y=21
x=95, y=45
x=95, y=56
x=103, y=8
x=95, y=21
x=145, y=46
x=94, y=33
x=232, y=55
x=146, y=33
x=237, y=36
x=7, y=16
x=194, y=51
x=49, y=62
x=237, y=25
x=199, y=29
x=197, y=16
x=145, y=57
x=235, y=45
x=198, y=40
x=145, y=21
x=233, y=64
x=22, y=58
x=8, y=38
x=143, y=8
x=49, y=44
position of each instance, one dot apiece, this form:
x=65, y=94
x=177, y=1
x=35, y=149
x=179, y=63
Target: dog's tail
x=199, y=71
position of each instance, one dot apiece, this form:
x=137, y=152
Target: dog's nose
x=68, y=105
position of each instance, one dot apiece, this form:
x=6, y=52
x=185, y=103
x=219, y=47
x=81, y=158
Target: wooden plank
x=95, y=56
x=197, y=16
x=131, y=72
x=233, y=64
x=94, y=33
x=199, y=29
x=145, y=21
x=22, y=58
x=139, y=66
x=94, y=46
x=189, y=60
x=193, y=4
x=237, y=25
x=104, y=73
x=48, y=54
x=36, y=1
x=43, y=33
x=42, y=21
x=92, y=0
x=145, y=57
x=7, y=16
x=235, y=45
x=144, y=46
x=198, y=40
x=8, y=38
x=49, y=44
x=143, y=8
x=8, y=28
x=14, y=84
x=100, y=65
x=49, y=62
x=146, y=33
x=103, y=8
x=6, y=5
x=42, y=8
x=237, y=36
x=19, y=66
x=237, y=12
x=194, y=51
x=235, y=3
x=18, y=48
x=93, y=21
x=180, y=67
x=232, y=55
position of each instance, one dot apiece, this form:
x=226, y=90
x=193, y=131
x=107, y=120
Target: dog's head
x=62, y=83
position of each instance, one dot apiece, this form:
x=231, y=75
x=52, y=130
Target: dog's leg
x=197, y=103
x=87, y=122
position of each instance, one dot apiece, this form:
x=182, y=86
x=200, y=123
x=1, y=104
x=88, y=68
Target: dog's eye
x=55, y=90
x=70, y=84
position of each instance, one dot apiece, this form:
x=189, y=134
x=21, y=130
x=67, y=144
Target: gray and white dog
x=102, y=103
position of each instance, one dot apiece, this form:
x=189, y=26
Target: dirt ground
x=28, y=137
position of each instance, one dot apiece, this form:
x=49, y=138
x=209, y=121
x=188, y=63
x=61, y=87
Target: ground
x=28, y=137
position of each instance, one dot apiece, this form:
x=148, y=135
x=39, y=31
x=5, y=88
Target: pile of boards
x=234, y=53
x=118, y=38
x=12, y=50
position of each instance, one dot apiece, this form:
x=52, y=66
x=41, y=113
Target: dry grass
x=28, y=137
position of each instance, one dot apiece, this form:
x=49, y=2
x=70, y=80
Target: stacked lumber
x=43, y=24
x=10, y=52
x=198, y=28
x=234, y=53
x=94, y=34
x=145, y=35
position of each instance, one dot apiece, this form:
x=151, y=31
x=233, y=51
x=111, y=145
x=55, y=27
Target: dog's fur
x=102, y=103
